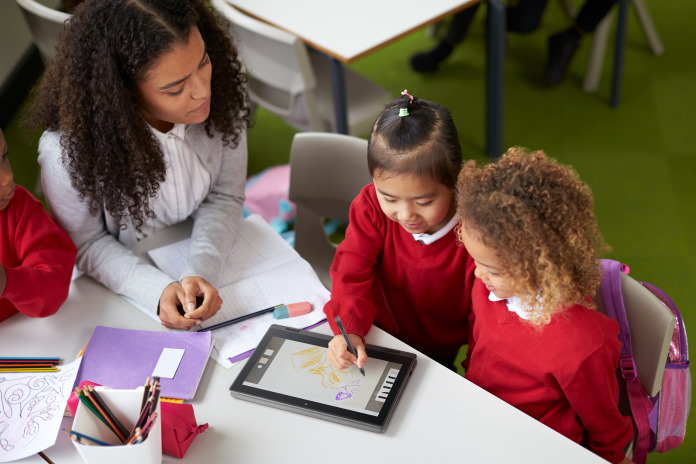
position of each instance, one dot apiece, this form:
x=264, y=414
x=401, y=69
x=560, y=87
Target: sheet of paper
x=262, y=271
x=168, y=363
x=31, y=410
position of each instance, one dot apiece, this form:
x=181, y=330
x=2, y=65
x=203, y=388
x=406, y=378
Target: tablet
x=289, y=370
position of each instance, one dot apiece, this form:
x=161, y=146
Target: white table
x=346, y=30
x=440, y=418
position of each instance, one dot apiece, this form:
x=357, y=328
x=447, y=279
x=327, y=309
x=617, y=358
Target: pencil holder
x=125, y=405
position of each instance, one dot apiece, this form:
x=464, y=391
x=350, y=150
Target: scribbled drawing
x=313, y=361
x=28, y=401
x=347, y=391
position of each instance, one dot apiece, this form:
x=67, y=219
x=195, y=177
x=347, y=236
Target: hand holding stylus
x=346, y=350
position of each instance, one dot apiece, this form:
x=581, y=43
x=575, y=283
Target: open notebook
x=262, y=271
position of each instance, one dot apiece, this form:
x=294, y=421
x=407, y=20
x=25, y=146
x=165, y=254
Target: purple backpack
x=660, y=410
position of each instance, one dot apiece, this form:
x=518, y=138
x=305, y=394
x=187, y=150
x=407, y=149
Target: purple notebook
x=125, y=358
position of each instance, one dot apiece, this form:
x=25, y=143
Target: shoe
x=430, y=60
x=424, y=62
x=562, y=48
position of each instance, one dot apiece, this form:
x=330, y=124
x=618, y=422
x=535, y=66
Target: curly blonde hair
x=539, y=218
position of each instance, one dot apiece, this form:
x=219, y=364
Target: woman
x=145, y=113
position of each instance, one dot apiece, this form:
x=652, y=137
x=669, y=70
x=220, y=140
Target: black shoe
x=562, y=48
x=430, y=60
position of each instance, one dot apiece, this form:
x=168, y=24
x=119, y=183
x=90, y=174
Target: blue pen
x=351, y=348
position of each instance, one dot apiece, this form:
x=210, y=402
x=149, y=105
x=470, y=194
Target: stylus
x=351, y=348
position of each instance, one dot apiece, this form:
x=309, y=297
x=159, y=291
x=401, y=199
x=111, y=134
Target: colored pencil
x=103, y=406
x=148, y=425
x=240, y=318
x=80, y=436
x=145, y=393
x=109, y=419
x=81, y=396
x=31, y=369
x=45, y=458
x=135, y=436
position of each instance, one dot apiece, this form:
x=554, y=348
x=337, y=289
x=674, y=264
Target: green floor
x=639, y=158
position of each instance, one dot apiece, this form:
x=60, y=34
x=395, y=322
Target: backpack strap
x=638, y=398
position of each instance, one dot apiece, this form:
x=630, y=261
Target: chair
x=327, y=171
x=287, y=80
x=600, y=39
x=45, y=25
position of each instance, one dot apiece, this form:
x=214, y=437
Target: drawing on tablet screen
x=313, y=361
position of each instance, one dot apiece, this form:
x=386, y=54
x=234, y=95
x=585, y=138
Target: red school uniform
x=38, y=257
x=421, y=294
x=563, y=373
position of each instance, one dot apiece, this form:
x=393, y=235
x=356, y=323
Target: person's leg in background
x=564, y=44
x=429, y=61
x=523, y=16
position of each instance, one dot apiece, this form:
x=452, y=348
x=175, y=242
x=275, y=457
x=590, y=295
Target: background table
x=441, y=416
x=348, y=30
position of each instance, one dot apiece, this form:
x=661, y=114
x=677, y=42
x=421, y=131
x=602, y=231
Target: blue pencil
x=87, y=437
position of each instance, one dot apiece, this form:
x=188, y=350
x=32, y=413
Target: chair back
x=278, y=67
x=45, y=25
x=327, y=171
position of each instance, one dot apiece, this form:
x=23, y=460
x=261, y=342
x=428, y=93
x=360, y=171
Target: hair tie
x=405, y=92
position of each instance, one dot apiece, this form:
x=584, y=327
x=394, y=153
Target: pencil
x=145, y=393
x=240, y=318
x=45, y=458
x=148, y=425
x=88, y=401
x=81, y=396
x=73, y=434
x=100, y=402
x=155, y=396
x=135, y=436
x=112, y=425
x=351, y=348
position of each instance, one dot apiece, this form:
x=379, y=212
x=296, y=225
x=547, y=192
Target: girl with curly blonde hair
x=145, y=114
x=537, y=341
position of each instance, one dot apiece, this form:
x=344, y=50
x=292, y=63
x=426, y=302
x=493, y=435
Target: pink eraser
x=295, y=309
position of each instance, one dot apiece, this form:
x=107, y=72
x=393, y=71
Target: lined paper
x=261, y=271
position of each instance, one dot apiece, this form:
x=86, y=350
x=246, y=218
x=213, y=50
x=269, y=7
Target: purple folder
x=125, y=358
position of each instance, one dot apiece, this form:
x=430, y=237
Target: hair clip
x=403, y=112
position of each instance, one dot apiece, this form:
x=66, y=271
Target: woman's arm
x=216, y=221
x=99, y=255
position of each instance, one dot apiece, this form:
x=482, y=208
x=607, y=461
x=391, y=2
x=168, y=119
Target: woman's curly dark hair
x=539, y=218
x=89, y=94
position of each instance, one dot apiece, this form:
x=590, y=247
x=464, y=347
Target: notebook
x=125, y=358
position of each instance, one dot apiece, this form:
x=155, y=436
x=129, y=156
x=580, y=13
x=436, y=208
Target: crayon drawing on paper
x=31, y=410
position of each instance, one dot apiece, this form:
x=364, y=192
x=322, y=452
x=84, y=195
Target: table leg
x=619, y=52
x=495, y=85
x=338, y=86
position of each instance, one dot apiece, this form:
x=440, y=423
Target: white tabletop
x=350, y=29
x=441, y=416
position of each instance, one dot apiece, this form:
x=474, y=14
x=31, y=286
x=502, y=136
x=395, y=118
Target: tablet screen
x=302, y=370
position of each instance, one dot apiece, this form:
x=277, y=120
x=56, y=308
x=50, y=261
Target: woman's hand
x=184, y=295
x=196, y=287
x=339, y=356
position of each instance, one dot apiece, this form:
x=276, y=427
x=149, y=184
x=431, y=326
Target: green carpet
x=638, y=158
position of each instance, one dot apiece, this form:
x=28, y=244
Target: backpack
x=659, y=416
